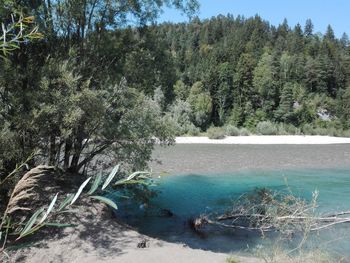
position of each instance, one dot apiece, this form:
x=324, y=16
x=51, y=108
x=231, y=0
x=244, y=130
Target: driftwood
x=265, y=211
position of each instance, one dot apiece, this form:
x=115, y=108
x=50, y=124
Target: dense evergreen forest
x=232, y=70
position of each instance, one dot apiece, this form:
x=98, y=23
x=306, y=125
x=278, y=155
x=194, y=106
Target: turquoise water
x=188, y=196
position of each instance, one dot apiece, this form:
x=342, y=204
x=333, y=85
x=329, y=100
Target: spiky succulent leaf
x=49, y=209
x=66, y=201
x=105, y=200
x=111, y=176
x=27, y=228
x=96, y=184
x=81, y=188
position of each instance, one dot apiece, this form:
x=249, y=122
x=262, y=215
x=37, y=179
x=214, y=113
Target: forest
x=238, y=71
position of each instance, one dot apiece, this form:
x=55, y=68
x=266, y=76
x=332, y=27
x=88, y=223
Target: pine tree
x=309, y=27
x=329, y=33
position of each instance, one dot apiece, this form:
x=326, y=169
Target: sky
x=321, y=12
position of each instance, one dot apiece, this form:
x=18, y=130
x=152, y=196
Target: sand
x=265, y=139
x=98, y=237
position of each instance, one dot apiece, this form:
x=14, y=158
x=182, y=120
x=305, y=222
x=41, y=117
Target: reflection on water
x=189, y=196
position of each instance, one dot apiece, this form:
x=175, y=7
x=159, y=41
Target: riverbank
x=266, y=139
x=98, y=238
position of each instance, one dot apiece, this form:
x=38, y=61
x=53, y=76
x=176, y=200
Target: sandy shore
x=98, y=238
x=273, y=139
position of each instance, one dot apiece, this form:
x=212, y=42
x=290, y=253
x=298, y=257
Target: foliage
x=67, y=94
x=255, y=72
x=179, y=114
x=201, y=105
x=216, y=133
x=20, y=29
x=244, y=132
x=266, y=128
x=231, y=130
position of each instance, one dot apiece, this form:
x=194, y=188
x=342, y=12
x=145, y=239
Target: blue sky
x=321, y=12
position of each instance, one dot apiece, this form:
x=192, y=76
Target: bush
x=320, y=131
x=192, y=130
x=266, y=128
x=307, y=129
x=281, y=129
x=232, y=130
x=345, y=133
x=216, y=133
x=288, y=129
x=244, y=132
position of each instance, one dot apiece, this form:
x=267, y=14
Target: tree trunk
x=76, y=155
x=67, y=152
x=52, y=150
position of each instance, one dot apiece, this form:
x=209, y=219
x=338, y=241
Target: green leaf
x=133, y=175
x=96, y=184
x=111, y=176
x=66, y=201
x=105, y=200
x=49, y=209
x=81, y=188
x=31, y=222
x=125, y=182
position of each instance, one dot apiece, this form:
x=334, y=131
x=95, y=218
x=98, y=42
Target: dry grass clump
x=28, y=189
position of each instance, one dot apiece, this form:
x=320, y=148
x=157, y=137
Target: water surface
x=207, y=178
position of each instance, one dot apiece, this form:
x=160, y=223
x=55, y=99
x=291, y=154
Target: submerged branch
x=265, y=211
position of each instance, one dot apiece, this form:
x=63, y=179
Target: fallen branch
x=266, y=211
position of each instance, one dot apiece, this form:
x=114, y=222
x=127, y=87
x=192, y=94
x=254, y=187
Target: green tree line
x=238, y=71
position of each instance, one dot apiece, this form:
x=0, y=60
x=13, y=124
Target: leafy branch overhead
x=18, y=31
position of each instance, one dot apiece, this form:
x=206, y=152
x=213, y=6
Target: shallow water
x=204, y=190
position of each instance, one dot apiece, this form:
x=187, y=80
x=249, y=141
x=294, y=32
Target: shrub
x=216, y=133
x=288, y=129
x=244, y=132
x=266, y=128
x=192, y=130
x=281, y=129
x=291, y=129
x=307, y=129
x=320, y=131
x=345, y=133
x=232, y=130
